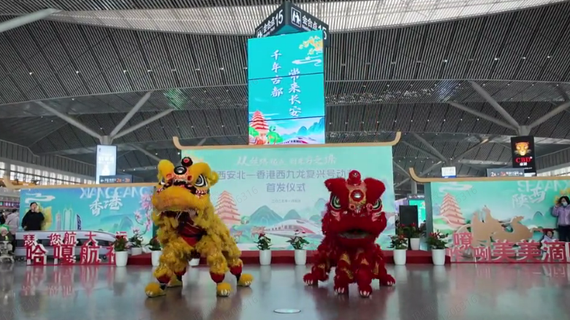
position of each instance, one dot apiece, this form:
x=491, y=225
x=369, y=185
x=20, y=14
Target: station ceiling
x=392, y=71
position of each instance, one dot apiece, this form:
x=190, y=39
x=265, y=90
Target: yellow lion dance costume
x=187, y=224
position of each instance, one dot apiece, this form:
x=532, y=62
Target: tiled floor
x=422, y=293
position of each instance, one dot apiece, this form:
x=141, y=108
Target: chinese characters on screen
x=294, y=88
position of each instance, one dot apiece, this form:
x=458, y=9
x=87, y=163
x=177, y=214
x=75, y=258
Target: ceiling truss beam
x=143, y=123
x=72, y=121
x=481, y=115
x=146, y=152
x=131, y=114
x=433, y=150
x=26, y=19
x=485, y=95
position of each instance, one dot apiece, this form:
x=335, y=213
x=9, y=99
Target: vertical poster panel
x=280, y=190
x=105, y=209
x=286, y=89
x=495, y=215
x=106, y=161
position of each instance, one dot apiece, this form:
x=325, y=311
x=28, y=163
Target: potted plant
x=194, y=259
x=413, y=233
x=400, y=245
x=120, y=246
x=298, y=243
x=155, y=251
x=264, y=245
x=437, y=242
x=136, y=244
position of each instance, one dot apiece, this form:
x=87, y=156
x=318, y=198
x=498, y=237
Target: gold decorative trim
x=416, y=178
x=397, y=138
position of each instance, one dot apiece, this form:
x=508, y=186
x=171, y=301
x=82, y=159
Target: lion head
x=354, y=213
x=183, y=188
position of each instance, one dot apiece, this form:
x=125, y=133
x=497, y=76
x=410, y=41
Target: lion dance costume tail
x=187, y=224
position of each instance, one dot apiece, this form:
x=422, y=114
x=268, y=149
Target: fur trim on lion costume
x=187, y=224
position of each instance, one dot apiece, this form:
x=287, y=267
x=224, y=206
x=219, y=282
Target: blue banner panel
x=286, y=55
x=105, y=209
x=294, y=97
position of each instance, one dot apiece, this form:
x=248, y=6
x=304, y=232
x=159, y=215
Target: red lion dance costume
x=352, y=222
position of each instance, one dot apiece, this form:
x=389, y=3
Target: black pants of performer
x=564, y=233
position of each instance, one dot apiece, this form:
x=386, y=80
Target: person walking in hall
x=12, y=223
x=562, y=211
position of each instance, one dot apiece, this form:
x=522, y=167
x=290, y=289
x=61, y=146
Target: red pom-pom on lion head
x=354, y=213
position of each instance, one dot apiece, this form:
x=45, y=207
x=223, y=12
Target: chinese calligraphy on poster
x=97, y=209
x=286, y=89
x=278, y=191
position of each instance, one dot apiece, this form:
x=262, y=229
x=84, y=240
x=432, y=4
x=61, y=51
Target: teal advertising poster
x=286, y=89
x=278, y=191
x=108, y=209
x=454, y=203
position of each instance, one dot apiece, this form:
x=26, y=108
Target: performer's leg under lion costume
x=351, y=224
x=184, y=215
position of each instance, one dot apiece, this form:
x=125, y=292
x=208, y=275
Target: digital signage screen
x=106, y=161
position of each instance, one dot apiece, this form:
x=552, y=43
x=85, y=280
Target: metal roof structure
x=458, y=78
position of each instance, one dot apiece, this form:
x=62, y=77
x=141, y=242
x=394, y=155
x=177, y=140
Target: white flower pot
x=265, y=257
x=415, y=243
x=300, y=257
x=438, y=257
x=400, y=256
x=121, y=258
x=155, y=257
x=194, y=262
x=135, y=251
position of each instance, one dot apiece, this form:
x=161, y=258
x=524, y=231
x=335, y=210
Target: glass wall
x=42, y=177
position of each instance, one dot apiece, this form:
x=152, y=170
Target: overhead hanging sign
x=289, y=18
x=106, y=161
x=523, y=153
x=448, y=172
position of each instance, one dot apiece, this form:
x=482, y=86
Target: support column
x=26, y=19
x=106, y=140
x=414, y=187
x=70, y=120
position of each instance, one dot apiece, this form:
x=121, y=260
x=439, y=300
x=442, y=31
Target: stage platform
x=464, y=291
x=287, y=257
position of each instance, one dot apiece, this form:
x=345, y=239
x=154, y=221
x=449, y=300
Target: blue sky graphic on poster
x=285, y=55
x=109, y=209
x=280, y=190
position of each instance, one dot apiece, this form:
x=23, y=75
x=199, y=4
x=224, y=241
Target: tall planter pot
x=264, y=257
x=300, y=257
x=438, y=257
x=400, y=256
x=121, y=258
x=414, y=243
x=155, y=257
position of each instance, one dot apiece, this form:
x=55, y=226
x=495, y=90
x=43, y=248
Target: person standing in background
x=562, y=211
x=33, y=219
x=12, y=223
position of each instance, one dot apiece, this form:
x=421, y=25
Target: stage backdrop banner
x=280, y=190
x=454, y=203
x=98, y=209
